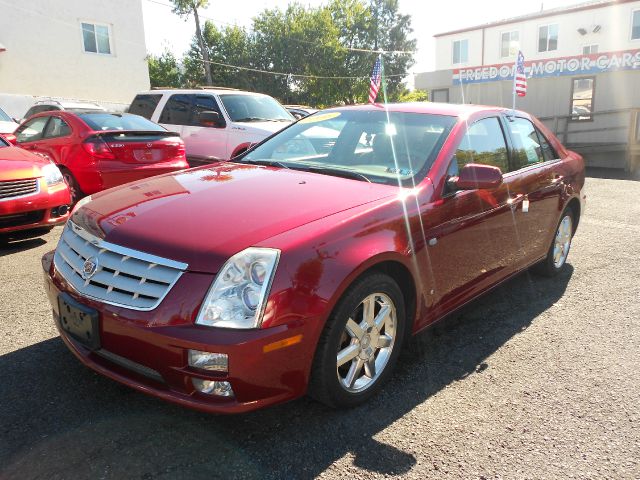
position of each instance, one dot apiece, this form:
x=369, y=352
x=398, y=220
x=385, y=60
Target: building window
x=440, y=95
x=589, y=49
x=582, y=90
x=460, y=51
x=509, y=44
x=548, y=38
x=635, y=25
x=96, y=38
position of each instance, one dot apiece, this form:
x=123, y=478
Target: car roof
x=200, y=91
x=451, y=109
x=65, y=104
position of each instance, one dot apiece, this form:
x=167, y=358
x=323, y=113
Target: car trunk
x=138, y=147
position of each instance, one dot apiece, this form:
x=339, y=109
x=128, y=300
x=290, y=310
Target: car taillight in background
x=97, y=148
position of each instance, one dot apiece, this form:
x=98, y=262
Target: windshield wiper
x=268, y=163
x=337, y=172
x=252, y=119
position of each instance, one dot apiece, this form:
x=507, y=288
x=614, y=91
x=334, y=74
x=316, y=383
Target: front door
x=471, y=235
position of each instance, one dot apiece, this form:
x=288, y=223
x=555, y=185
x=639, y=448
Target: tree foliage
x=312, y=43
x=164, y=70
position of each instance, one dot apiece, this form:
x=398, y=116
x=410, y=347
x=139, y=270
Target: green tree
x=164, y=70
x=413, y=96
x=184, y=8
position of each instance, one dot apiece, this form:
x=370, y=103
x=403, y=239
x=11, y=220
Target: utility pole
x=203, y=48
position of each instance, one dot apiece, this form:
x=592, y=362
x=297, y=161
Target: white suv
x=215, y=123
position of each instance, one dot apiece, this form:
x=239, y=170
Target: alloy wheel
x=562, y=241
x=366, y=343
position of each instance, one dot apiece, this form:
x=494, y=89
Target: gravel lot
x=539, y=379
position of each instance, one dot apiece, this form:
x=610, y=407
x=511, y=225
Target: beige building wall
x=45, y=55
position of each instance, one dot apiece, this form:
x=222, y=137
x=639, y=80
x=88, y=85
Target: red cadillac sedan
x=33, y=195
x=305, y=264
x=96, y=150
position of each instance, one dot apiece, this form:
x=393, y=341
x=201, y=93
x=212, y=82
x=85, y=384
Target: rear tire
x=74, y=188
x=360, y=343
x=558, y=252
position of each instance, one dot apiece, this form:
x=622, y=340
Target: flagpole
x=515, y=73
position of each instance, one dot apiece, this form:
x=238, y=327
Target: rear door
x=205, y=141
x=57, y=140
x=176, y=113
x=533, y=180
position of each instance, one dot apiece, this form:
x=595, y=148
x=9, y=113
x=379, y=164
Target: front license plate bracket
x=79, y=321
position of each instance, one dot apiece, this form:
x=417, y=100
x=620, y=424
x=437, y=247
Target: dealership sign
x=553, y=67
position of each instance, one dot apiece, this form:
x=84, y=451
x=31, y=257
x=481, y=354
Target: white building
x=582, y=64
x=73, y=49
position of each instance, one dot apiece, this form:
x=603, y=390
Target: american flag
x=520, y=82
x=376, y=78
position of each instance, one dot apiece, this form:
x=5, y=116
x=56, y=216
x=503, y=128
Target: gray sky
x=163, y=29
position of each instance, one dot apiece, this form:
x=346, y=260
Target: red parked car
x=98, y=150
x=33, y=194
x=306, y=263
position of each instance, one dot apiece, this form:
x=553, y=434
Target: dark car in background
x=100, y=150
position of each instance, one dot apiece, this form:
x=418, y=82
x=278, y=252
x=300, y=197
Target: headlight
x=52, y=174
x=80, y=203
x=239, y=293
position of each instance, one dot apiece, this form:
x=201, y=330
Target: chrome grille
x=123, y=277
x=18, y=188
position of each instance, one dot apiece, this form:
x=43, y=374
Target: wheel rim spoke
x=384, y=341
x=347, y=354
x=370, y=368
x=353, y=329
x=382, y=316
x=368, y=310
x=354, y=371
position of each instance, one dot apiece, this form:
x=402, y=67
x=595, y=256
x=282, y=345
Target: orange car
x=33, y=194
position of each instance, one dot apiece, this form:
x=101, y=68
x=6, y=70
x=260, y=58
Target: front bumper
x=148, y=350
x=35, y=211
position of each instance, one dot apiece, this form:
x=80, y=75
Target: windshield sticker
x=401, y=171
x=320, y=118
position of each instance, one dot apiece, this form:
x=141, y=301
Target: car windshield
x=4, y=117
x=116, y=121
x=393, y=148
x=254, y=108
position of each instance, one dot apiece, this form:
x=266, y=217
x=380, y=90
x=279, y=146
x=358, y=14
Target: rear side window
x=548, y=151
x=31, y=130
x=177, y=110
x=57, y=127
x=526, y=144
x=113, y=121
x=145, y=105
x=484, y=143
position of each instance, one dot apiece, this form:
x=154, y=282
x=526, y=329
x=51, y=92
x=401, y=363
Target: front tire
x=360, y=343
x=559, y=250
x=74, y=187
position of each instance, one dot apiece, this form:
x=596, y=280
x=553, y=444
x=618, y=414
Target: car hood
x=203, y=216
x=7, y=127
x=16, y=164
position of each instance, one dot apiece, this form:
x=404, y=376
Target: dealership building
x=583, y=74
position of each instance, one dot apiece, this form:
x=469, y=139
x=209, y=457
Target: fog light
x=217, y=362
x=213, y=387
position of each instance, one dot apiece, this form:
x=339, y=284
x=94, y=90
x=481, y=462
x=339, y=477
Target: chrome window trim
x=26, y=194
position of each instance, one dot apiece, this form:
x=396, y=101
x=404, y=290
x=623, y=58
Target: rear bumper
x=41, y=209
x=105, y=174
x=152, y=355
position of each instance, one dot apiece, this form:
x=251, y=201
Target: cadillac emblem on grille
x=89, y=268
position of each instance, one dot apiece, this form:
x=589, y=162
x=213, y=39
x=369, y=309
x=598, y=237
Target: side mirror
x=475, y=176
x=211, y=119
